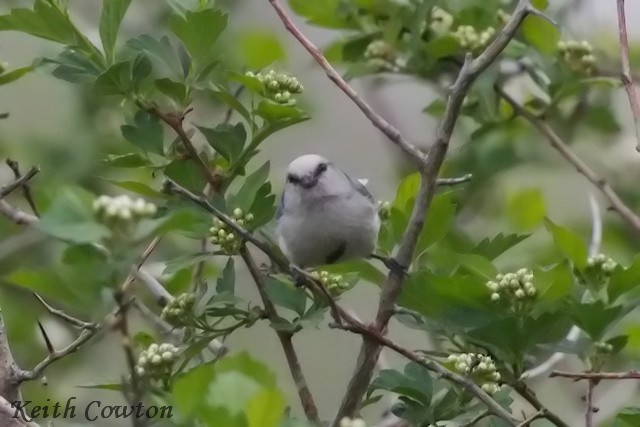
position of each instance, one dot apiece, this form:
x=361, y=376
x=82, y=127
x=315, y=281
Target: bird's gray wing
x=360, y=188
x=280, y=208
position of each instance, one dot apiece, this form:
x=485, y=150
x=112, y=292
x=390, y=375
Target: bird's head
x=309, y=172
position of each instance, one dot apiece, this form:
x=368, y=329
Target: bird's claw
x=393, y=265
x=299, y=279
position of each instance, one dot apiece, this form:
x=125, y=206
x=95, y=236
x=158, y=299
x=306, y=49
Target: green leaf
x=595, y=318
x=435, y=108
x=570, y=243
x=248, y=366
x=140, y=70
x=190, y=390
x=247, y=194
x=146, y=133
x=628, y=417
x=491, y=248
x=325, y=13
x=199, y=31
x=45, y=21
x=266, y=408
x=222, y=94
x=45, y=283
x=273, y=112
x=260, y=48
x=138, y=188
x=175, y=264
x=526, y=208
x=415, y=383
x=185, y=173
x=263, y=207
x=116, y=80
x=162, y=53
x=14, y=75
x=113, y=12
x=407, y=191
x=554, y=283
x=438, y=222
x=227, y=282
x=228, y=140
x=74, y=67
x=540, y=4
x=175, y=90
x=84, y=254
x=541, y=34
x=624, y=280
x=287, y=296
x=129, y=160
x=477, y=265
x=70, y=217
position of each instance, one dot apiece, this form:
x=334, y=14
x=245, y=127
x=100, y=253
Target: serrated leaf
x=175, y=264
x=113, y=12
x=138, y=188
x=199, y=31
x=287, y=296
x=146, y=133
x=624, y=280
x=174, y=90
x=186, y=174
x=115, y=80
x=227, y=282
x=491, y=248
x=478, y=265
x=74, y=67
x=325, y=13
x=140, y=69
x=228, y=140
x=162, y=53
x=70, y=217
x=570, y=243
x=541, y=34
x=595, y=318
x=554, y=283
x=246, y=195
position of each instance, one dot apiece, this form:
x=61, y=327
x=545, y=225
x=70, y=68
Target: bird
x=324, y=216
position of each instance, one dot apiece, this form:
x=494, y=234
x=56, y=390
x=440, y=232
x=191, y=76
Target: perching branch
x=630, y=375
x=556, y=142
x=26, y=190
x=19, y=182
x=64, y=316
x=378, y=121
x=627, y=79
x=285, y=337
x=528, y=394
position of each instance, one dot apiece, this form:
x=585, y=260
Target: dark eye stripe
x=293, y=179
x=321, y=168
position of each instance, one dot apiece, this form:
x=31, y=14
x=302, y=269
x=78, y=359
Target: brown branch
x=174, y=121
x=536, y=416
x=475, y=420
x=19, y=182
x=590, y=410
x=64, y=316
x=26, y=190
x=627, y=79
x=630, y=375
x=378, y=121
x=528, y=394
x=556, y=142
x=285, y=337
x=471, y=69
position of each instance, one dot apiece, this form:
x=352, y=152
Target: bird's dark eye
x=293, y=179
x=320, y=169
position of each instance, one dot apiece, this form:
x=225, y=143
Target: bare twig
x=528, y=394
x=630, y=375
x=590, y=410
x=475, y=420
x=143, y=258
x=26, y=190
x=378, y=121
x=556, y=142
x=16, y=215
x=448, y=182
x=285, y=337
x=528, y=421
x=626, y=77
x=19, y=182
x=64, y=316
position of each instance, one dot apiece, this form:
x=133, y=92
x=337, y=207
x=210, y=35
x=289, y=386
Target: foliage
x=502, y=316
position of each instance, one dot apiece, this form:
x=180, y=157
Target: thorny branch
x=627, y=79
x=26, y=190
x=591, y=376
x=19, y=182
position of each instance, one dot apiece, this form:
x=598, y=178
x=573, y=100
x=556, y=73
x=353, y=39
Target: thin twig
x=627, y=79
x=556, y=142
x=528, y=394
x=143, y=258
x=378, y=121
x=285, y=337
x=64, y=316
x=475, y=420
x=26, y=190
x=590, y=409
x=448, y=182
x=630, y=375
x=19, y=182
x=528, y=421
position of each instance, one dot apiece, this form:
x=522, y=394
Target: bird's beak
x=308, y=181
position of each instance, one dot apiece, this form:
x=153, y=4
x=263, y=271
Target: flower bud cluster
x=156, y=361
x=279, y=87
x=334, y=283
x=441, y=21
x=355, y=422
x=224, y=236
x=122, y=208
x=601, y=264
x=179, y=310
x=578, y=56
x=472, y=40
x=603, y=347
x=479, y=367
x=513, y=287
x=381, y=55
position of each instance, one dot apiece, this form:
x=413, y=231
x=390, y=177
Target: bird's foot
x=392, y=265
x=297, y=274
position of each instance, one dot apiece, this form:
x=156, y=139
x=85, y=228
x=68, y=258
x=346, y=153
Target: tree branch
x=627, y=79
x=630, y=375
x=449, y=182
x=590, y=410
x=528, y=394
x=378, y=121
x=556, y=142
x=285, y=337
x=19, y=182
x=26, y=190
x=64, y=316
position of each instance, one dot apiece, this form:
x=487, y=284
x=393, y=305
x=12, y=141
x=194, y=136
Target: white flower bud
x=496, y=376
x=519, y=294
x=495, y=296
x=142, y=360
x=358, y=422
x=452, y=357
x=493, y=286
x=248, y=217
x=150, y=209
x=156, y=359
x=462, y=367
x=125, y=214
x=167, y=356
x=345, y=422
x=482, y=366
x=153, y=348
x=140, y=371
